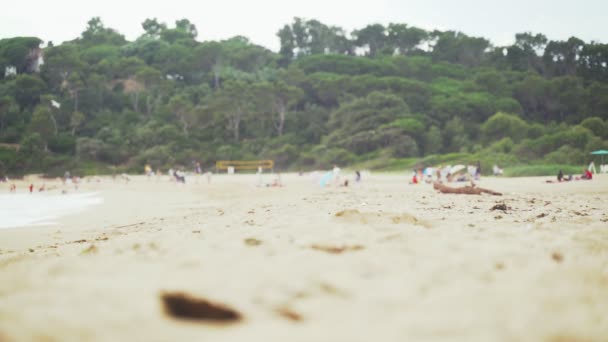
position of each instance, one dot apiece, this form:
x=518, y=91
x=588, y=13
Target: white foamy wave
x=18, y=210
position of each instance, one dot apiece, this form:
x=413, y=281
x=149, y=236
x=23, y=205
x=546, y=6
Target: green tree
x=75, y=121
x=372, y=37
x=42, y=124
x=28, y=89
x=503, y=125
x=183, y=109
x=432, y=140
x=17, y=52
x=153, y=28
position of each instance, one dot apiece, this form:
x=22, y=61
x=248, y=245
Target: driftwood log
x=467, y=190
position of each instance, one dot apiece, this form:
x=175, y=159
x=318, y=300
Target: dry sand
x=379, y=261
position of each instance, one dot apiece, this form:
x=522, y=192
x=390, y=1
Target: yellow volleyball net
x=236, y=165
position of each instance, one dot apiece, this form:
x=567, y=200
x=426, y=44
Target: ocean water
x=24, y=209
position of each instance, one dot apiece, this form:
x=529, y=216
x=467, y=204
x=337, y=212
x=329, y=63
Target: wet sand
x=381, y=260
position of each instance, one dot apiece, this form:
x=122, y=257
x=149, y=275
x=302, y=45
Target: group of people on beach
x=178, y=174
x=586, y=175
x=449, y=173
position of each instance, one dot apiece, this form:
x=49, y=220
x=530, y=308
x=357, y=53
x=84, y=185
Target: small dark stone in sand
x=336, y=249
x=183, y=306
x=557, y=257
x=500, y=206
x=541, y=215
x=289, y=314
x=91, y=249
x=252, y=242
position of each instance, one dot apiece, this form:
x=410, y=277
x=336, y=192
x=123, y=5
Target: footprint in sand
x=356, y=216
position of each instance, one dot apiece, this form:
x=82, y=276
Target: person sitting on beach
x=449, y=177
x=462, y=178
x=560, y=176
x=179, y=176
x=478, y=171
x=414, y=178
x=587, y=175
x=277, y=182
x=42, y=188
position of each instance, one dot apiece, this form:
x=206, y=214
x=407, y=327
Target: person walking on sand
x=336, y=175
x=31, y=187
x=259, y=175
x=208, y=174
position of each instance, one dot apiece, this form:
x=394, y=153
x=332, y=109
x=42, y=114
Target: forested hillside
x=376, y=96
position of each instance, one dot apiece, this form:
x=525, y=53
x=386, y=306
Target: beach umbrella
x=327, y=177
x=456, y=168
x=600, y=153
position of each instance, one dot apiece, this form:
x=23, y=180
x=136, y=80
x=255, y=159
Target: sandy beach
x=376, y=261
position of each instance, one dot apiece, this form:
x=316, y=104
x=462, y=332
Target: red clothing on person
x=31, y=188
x=588, y=174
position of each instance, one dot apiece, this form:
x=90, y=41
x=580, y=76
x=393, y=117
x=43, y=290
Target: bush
x=503, y=146
x=541, y=170
x=8, y=161
x=62, y=143
x=284, y=156
x=596, y=126
x=502, y=125
x=566, y=155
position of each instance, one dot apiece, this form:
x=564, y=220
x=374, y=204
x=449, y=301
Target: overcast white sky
x=259, y=20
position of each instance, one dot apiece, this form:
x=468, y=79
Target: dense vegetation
x=380, y=97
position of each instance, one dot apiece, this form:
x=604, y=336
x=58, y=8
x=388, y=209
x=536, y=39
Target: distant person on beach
x=560, y=176
x=180, y=177
x=148, y=170
x=259, y=175
x=171, y=174
x=208, y=174
x=496, y=170
x=31, y=187
x=357, y=176
x=336, y=174
x=277, y=182
x=587, y=175
x=13, y=188
x=42, y=188
x=414, y=178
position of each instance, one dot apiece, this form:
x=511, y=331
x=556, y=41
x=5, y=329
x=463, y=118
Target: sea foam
x=18, y=210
